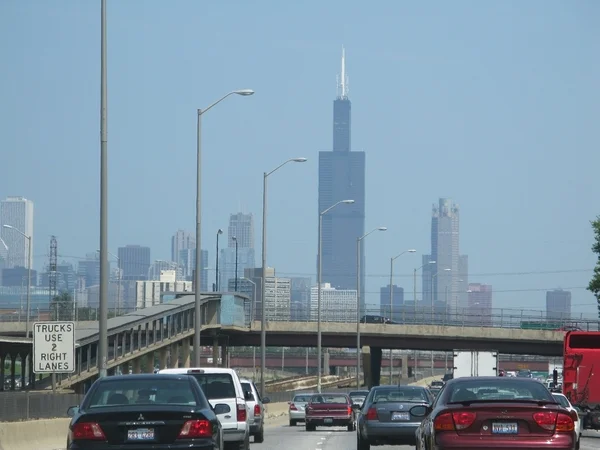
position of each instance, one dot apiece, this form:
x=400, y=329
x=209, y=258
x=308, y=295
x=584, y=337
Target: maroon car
x=486, y=413
x=329, y=410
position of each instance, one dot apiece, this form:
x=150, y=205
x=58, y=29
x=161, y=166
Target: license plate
x=140, y=434
x=328, y=420
x=505, y=428
x=400, y=416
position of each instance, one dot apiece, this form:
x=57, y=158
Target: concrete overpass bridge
x=165, y=332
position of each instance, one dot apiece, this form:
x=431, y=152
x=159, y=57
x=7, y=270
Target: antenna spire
x=343, y=82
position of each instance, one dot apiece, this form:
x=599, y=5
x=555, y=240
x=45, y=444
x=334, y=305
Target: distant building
x=18, y=213
x=18, y=276
x=89, y=268
x=300, y=308
x=134, y=262
x=558, y=304
x=150, y=293
x=181, y=240
x=479, y=308
x=397, y=302
x=187, y=262
x=241, y=233
x=277, y=290
x=337, y=305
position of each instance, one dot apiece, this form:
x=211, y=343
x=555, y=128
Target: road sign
x=54, y=347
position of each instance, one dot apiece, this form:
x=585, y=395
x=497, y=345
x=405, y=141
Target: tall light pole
x=392, y=259
x=197, y=276
x=236, y=264
x=263, y=322
x=219, y=233
x=319, y=282
x=29, y=262
x=415, y=286
x=358, y=256
x=118, y=305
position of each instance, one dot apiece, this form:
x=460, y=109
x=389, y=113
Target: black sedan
x=145, y=412
x=390, y=415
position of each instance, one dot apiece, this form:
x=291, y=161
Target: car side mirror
x=267, y=400
x=420, y=411
x=248, y=396
x=72, y=411
x=221, y=408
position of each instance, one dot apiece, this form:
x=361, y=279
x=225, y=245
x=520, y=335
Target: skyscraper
x=134, y=261
x=558, y=304
x=18, y=213
x=448, y=277
x=342, y=177
x=181, y=240
x=240, y=231
x=479, y=307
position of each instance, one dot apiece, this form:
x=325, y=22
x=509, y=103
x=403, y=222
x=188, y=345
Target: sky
x=492, y=104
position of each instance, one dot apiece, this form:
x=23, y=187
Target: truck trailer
x=581, y=375
x=473, y=363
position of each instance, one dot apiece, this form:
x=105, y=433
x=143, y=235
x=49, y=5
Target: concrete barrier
x=46, y=434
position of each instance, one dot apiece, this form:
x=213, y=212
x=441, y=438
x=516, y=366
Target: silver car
x=256, y=410
x=297, y=408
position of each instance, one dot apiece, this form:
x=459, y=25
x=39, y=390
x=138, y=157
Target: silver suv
x=256, y=410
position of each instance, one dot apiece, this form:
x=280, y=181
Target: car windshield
x=121, y=392
x=329, y=399
x=216, y=385
x=494, y=390
x=405, y=394
x=562, y=400
x=301, y=399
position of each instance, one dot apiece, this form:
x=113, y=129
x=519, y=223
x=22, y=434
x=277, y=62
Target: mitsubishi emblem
x=141, y=418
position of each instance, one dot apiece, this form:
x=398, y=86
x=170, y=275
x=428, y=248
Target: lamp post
x=263, y=323
x=197, y=277
x=358, y=256
x=29, y=262
x=236, y=264
x=219, y=233
x=319, y=282
x=412, y=250
x=415, y=286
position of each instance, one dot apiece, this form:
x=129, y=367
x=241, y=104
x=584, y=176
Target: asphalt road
x=279, y=435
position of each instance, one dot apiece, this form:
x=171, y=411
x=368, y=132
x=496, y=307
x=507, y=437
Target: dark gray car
x=386, y=415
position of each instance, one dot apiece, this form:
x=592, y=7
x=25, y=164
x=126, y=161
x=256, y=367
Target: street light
x=358, y=241
x=197, y=277
x=263, y=324
x=319, y=282
x=236, y=264
x=412, y=250
x=219, y=233
x=29, y=262
x=415, y=286
x=118, y=305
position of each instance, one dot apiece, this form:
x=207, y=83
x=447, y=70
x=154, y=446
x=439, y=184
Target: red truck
x=329, y=410
x=581, y=375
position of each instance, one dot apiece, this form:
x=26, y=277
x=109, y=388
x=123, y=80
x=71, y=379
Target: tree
x=594, y=285
x=62, y=307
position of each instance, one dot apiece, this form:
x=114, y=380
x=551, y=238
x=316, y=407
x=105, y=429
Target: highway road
x=278, y=435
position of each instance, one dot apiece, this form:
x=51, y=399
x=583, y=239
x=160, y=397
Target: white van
x=223, y=386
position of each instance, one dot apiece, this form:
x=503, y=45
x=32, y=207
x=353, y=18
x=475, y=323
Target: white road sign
x=54, y=347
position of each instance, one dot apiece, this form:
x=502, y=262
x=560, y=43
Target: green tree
x=62, y=307
x=594, y=285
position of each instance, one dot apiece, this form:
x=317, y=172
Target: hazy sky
x=494, y=104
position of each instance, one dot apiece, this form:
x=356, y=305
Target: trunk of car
x=121, y=426
x=396, y=412
x=329, y=409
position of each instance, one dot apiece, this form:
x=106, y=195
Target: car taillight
x=241, y=412
x=372, y=414
x=90, y=431
x=546, y=419
x=349, y=410
x=443, y=422
x=564, y=423
x=196, y=429
x=293, y=407
x=464, y=419
x=257, y=410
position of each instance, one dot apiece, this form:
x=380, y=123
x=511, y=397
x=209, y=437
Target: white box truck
x=472, y=363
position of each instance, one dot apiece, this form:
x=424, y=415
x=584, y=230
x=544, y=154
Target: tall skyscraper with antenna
x=342, y=177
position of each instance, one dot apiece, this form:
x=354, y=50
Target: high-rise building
x=342, y=177
x=558, y=304
x=134, y=261
x=240, y=232
x=300, y=307
x=447, y=279
x=337, y=305
x=187, y=262
x=181, y=240
x=16, y=212
x=479, y=305
x=395, y=309
x=277, y=294
x=89, y=269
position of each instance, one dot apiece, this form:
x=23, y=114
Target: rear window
x=141, y=392
x=405, y=394
x=562, y=400
x=302, y=398
x=324, y=398
x=493, y=390
x=216, y=385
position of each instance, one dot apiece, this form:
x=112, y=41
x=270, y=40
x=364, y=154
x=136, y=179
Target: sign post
x=54, y=347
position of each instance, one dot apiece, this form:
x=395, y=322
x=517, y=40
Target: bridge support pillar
x=404, y=368
x=149, y=363
x=215, y=352
x=326, y=369
x=366, y=366
x=174, y=356
x=136, y=366
x=162, y=358
x=185, y=353
x=224, y=355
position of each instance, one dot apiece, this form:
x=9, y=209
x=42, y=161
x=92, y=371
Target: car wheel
x=292, y=423
x=259, y=437
x=360, y=444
